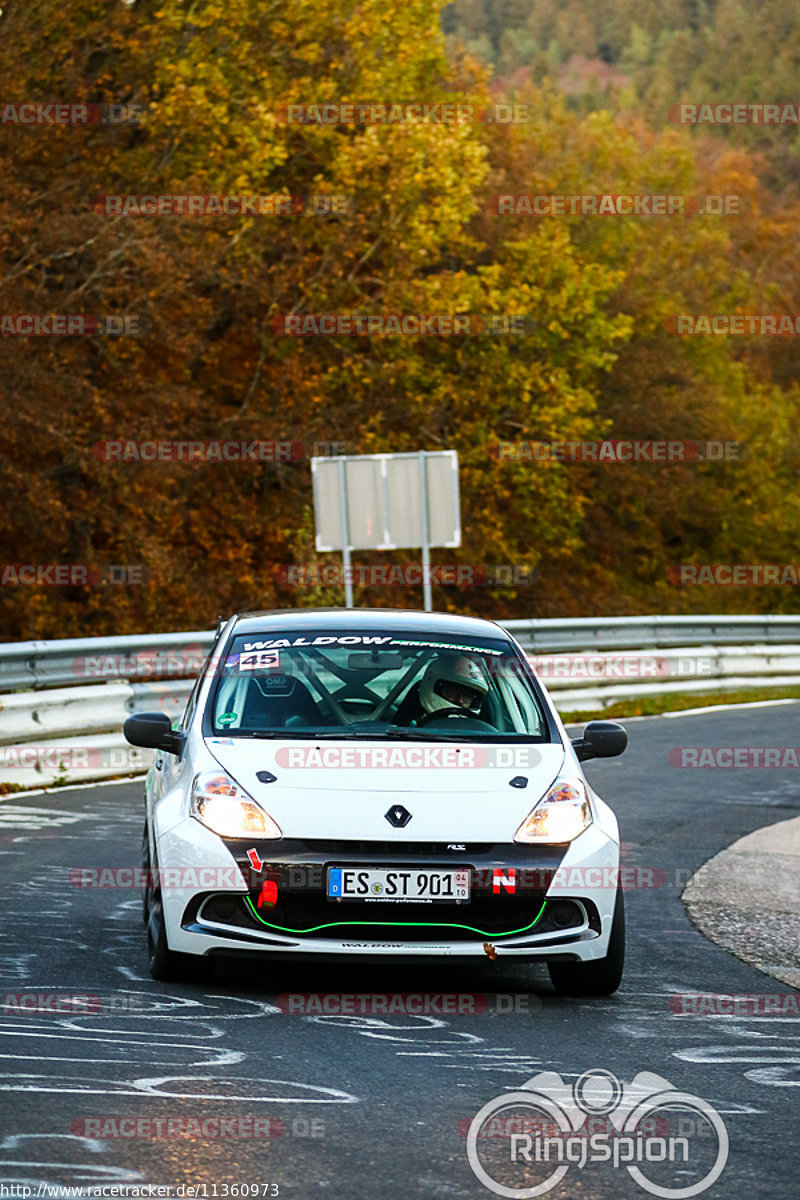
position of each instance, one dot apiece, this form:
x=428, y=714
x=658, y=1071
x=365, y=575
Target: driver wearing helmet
x=452, y=685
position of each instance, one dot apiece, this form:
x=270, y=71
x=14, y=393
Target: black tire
x=145, y=873
x=601, y=977
x=167, y=965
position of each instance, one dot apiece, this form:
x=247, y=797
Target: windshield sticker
x=259, y=660
x=227, y=718
x=446, y=646
x=364, y=640
x=324, y=640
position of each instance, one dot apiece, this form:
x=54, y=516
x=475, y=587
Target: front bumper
x=561, y=906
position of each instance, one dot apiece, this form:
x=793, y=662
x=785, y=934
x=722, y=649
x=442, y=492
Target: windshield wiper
x=400, y=733
x=340, y=733
x=249, y=733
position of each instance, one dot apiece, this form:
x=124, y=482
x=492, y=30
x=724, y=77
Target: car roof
x=411, y=620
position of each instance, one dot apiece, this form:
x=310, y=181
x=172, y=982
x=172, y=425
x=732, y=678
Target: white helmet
x=452, y=673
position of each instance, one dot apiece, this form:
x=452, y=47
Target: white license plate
x=397, y=884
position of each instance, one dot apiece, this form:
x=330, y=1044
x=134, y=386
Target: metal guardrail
x=615, y=633
x=79, y=660
x=75, y=734
x=63, y=703
x=76, y=660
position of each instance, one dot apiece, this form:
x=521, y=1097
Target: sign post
x=387, y=502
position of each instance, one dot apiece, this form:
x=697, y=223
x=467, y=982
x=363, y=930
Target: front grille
x=306, y=914
x=335, y=849
x=303, y=909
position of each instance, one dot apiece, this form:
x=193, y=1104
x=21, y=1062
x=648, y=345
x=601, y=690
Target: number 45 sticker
x=259, y=660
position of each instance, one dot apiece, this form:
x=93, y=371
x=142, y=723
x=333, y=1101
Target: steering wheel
x=455, y=711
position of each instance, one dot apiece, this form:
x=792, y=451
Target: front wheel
x=146, y=874
x=600, y=977
x=167, y=965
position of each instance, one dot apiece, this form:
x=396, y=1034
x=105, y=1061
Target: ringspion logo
x=554, y=1114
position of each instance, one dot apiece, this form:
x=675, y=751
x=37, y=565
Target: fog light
x=223, y=910
x=564, y=914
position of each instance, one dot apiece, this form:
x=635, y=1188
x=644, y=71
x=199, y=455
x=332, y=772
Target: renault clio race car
x=378, y=784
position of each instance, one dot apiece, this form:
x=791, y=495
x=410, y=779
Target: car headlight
x=561, y=814
x=219, y=802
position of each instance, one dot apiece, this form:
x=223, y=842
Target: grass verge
x=652, y=706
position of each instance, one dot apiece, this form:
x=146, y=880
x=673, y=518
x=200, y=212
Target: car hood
x=344, y=789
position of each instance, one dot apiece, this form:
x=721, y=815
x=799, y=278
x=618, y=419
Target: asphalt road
x=379, y=1106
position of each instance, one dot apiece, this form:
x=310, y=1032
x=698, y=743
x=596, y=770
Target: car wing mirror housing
x=600, y=739
x=154, y=731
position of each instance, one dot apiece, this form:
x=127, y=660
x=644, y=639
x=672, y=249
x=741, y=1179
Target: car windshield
x=385, y=684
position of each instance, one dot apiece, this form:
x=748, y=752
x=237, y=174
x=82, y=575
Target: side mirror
x=153, y=731
x=601, y=739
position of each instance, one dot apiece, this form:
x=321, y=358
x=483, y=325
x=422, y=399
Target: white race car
x=378, y=784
